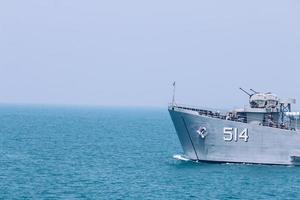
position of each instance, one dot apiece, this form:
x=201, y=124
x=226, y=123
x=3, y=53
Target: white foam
x=181, y=157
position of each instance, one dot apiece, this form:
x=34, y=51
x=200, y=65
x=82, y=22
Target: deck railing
x=242, y=119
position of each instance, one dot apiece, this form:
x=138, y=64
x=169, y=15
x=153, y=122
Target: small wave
x=180, y=157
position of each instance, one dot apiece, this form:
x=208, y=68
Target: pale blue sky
x=129, y=52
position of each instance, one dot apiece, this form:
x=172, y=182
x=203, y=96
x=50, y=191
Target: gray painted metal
x=266, y=145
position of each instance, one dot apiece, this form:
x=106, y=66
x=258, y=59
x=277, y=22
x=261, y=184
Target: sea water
x=55, y=152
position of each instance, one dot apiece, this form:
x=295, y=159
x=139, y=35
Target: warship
x=264, y=132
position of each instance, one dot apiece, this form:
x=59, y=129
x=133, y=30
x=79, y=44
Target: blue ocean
x=56, y=152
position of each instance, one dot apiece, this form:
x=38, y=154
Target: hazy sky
x=129, y=52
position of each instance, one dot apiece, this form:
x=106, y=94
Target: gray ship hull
x=264, y=145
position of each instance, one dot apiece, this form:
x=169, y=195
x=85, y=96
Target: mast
x=174, y=90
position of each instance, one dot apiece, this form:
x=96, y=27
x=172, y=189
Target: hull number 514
x=233, y=134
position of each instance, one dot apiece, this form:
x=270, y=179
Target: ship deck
x=222, y=116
